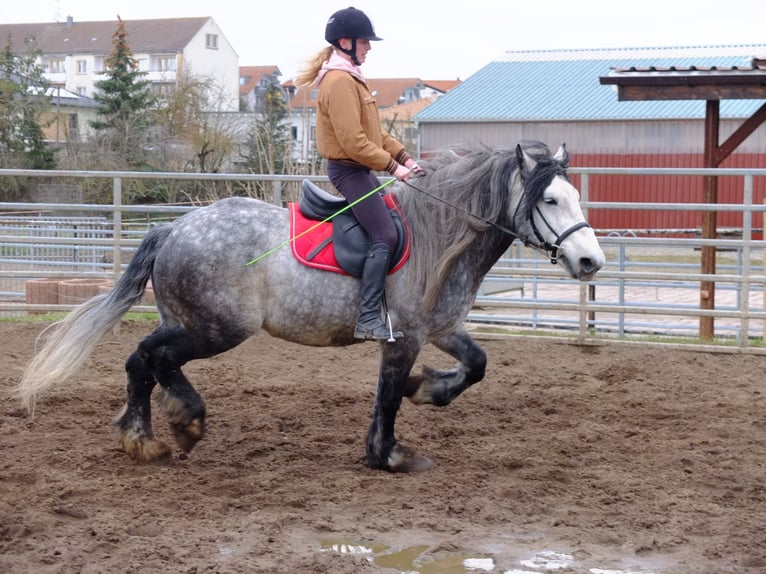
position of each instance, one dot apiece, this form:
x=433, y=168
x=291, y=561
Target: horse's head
x=549, y=216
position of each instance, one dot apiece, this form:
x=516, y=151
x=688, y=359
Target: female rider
x=349, y=136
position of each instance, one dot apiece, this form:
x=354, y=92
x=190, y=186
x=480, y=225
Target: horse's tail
x=69, y=342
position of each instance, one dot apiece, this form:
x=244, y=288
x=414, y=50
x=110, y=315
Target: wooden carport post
x=713, y=157
x=709, y=219
x=711, y=84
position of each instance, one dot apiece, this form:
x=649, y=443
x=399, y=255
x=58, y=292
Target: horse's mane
x=479, y=181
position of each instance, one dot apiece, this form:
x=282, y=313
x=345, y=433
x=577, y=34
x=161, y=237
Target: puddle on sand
x=416, y=560
x=411, y=559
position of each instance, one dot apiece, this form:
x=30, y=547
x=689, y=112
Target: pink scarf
x=338, y=62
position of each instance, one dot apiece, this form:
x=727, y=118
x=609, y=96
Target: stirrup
x=377, y=332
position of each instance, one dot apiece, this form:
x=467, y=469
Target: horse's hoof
x=188, y=435
x=422, y=395
x=144, y=449
x=405, y=459
x=412, y=387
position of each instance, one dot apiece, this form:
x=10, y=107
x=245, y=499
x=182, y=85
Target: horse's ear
x=562, y=155
x=525, y=161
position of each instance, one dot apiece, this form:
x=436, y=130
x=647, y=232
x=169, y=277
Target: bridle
x=550, y=249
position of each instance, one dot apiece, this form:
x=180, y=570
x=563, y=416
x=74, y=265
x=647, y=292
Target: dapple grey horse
x=462, y=215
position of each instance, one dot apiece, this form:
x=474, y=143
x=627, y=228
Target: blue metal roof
x=564, y=86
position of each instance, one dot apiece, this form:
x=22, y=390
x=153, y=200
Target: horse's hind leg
x=441, y=387
x=158, y=359
x=169, y=350
x=184, y=408
x=135, y=422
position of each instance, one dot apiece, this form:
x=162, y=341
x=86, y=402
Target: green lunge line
x=313, y=227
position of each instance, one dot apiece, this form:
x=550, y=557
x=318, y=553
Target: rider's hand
x=402, y=173
x=414, y=168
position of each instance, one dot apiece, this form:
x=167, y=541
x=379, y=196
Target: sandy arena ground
x=592, y=460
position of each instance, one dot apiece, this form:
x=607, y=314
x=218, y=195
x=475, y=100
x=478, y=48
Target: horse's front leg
x=383, y=450
x=441, y=387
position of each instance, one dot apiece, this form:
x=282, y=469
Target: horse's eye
x=550, y=201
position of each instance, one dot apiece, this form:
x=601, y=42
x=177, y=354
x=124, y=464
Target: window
x=313, y=133
x=165, y=64
x=82, y=91
x=82, y=66
x=56, y=65
x=164, y=89
x=211, y=41
x=294, y=133
x=410, y=94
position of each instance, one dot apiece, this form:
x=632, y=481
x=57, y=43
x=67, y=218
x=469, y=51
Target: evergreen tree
x=23, y=102
x=267, y=147
x=125, y=103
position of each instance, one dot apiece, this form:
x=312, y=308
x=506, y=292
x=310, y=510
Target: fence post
x=744, y=271
x=117, y=226
x=583, y=315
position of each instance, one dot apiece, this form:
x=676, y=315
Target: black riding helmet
x=349, y=23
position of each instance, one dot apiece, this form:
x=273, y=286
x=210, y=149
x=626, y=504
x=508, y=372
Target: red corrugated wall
x=665, y=189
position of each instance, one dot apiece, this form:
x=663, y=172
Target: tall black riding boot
x=371, y=324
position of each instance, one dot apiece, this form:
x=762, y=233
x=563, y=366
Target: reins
x=550, y=249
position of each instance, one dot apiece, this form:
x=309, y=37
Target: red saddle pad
x=311, y=240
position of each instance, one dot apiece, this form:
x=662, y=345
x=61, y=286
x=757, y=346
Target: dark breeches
x=355, y=182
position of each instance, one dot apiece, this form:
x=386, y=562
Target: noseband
x=552, y=248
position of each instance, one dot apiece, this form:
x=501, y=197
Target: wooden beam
x=740, y=134
x=709, y=219
x=682, y=92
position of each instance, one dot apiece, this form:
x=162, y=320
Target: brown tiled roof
x=406, y=111
x=387, y=92
x=162, y=35
x=442, y=86
x=253, y=75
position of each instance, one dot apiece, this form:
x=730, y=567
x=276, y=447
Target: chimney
x=69, y=20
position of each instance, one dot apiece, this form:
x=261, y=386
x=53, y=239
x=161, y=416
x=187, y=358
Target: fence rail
x=650, y=288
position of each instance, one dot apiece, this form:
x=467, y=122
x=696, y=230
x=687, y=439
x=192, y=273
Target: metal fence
x=650, y=289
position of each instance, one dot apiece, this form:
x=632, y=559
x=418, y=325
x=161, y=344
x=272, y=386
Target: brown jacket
x=348, y=125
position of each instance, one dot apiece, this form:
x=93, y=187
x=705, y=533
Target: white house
x=73, y=53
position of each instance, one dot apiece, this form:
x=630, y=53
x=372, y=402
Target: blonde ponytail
x=309, y=72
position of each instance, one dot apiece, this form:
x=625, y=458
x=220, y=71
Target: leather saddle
x=348, y=238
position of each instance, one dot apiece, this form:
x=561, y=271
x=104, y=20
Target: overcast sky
x=433, y=39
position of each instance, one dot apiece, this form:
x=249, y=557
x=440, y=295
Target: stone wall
x=73, y=290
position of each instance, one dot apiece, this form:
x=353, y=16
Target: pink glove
x=402, y=173
x=412, y=165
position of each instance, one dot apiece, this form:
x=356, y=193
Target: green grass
x=59, y=315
